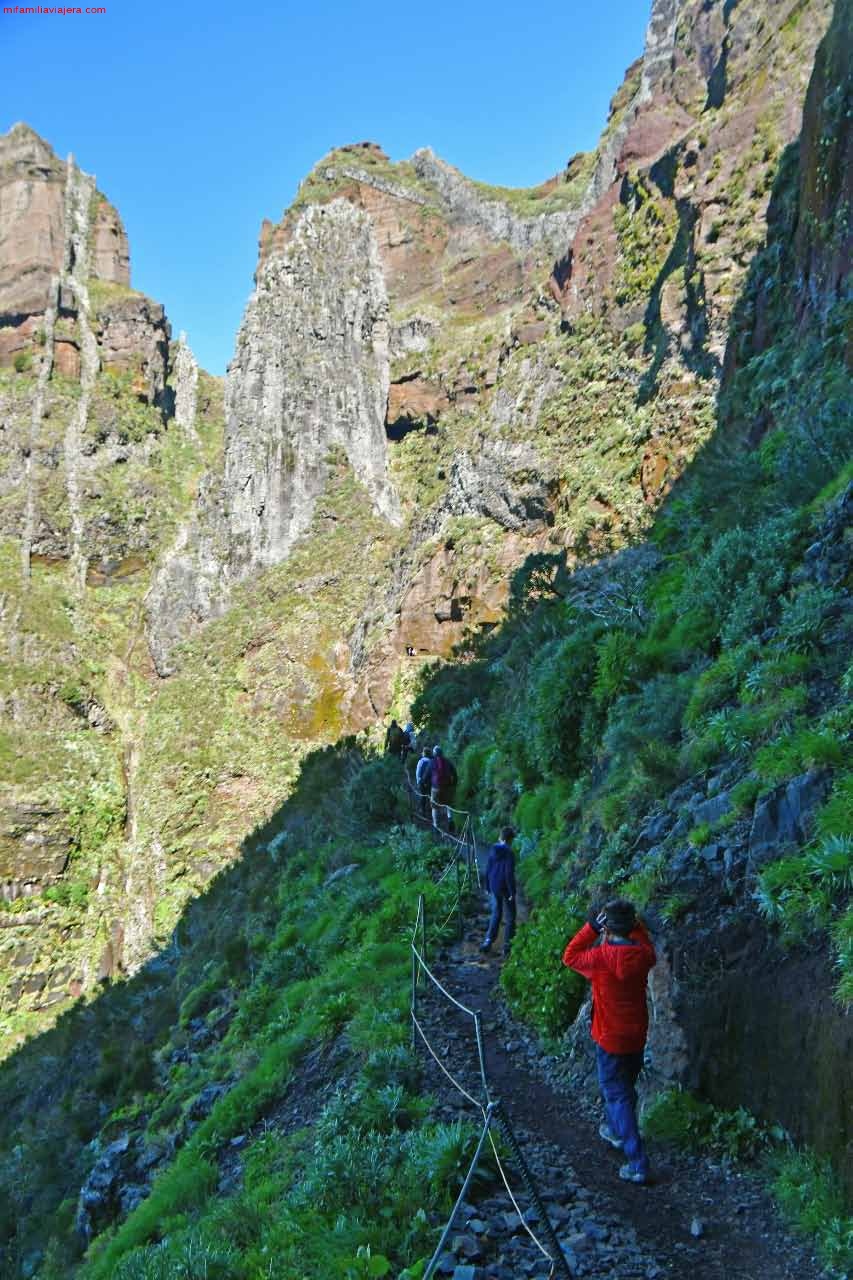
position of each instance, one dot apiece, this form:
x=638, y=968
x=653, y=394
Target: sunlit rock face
x=310, y=374
x=34, y=240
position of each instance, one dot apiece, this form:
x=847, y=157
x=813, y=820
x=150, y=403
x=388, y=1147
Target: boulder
x=35, y=843
x=206, y=1100
x=781, y=818
x=710, y=811
x=100, y=1196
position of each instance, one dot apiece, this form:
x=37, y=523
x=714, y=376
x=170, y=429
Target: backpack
x=441, y=772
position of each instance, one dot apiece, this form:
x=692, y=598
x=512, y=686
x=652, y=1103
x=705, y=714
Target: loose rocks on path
x=697, y=1219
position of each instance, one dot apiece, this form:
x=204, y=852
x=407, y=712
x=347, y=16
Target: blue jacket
x=423, y=772
x=500, y=871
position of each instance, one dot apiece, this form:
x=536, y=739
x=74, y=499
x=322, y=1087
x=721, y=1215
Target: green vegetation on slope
x=287, y=986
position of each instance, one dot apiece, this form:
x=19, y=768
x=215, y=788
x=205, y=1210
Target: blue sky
x=200, y=119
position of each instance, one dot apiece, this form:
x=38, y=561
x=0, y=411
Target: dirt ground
x=696, y=1219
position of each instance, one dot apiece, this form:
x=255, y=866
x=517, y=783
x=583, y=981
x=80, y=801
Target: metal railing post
x=434, y=1260
x=561, y=1266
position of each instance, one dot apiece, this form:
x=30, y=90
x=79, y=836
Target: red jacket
x=618, y=972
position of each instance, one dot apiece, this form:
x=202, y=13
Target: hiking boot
x=627, y=1174
x=605, y=1132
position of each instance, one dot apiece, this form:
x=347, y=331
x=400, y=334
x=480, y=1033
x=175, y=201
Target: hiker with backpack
x=423, y=781
x=500, y=882
x=615, y=952
x=442, y=784
x=394, y=740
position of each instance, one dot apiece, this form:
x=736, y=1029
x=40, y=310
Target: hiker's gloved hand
x=592, y=919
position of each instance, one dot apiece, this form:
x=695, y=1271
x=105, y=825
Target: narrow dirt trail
x=604, y=1224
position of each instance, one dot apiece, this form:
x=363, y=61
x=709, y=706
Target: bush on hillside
x=443, y=691
x=540, y=989
x=374, y=795
x=560, y=686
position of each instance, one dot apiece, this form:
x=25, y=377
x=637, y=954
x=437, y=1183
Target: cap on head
x=507, y=834
x=620, y=916
x=436, y=751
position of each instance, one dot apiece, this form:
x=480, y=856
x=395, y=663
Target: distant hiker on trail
x=423, y=780
x=500, y=882
x=442, y=784
x=615, y=952
x=408, y=740
x=394, y=740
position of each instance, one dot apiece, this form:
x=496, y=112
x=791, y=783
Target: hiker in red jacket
x=615, y=952
x=443, y=780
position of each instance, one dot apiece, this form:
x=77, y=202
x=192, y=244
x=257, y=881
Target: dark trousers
x=617, y=1079
x=498, y=901
x=423, y=802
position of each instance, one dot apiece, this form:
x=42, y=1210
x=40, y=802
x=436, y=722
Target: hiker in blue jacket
x=423, y=781
x=500, y=882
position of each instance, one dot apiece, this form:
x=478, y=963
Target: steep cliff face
x=91, y=478
x=34, y=237
x=310, y=374
x=719, y=97
x=309, y=379
x=824, y=232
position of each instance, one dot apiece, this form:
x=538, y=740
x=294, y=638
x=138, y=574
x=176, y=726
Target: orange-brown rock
x=32, y=215
x=414, y=399
x=673, y=128
x=110, y=252
x=32, y=226
x=66, y=358
x=654, y=472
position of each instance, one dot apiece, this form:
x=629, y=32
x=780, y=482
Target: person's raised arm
x=582, y=946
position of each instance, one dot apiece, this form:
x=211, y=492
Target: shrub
x=465, y=726
x=804, y=617
x=540, y=989
x=190, y=1256
x=643, y=725
x=796, y=752
x=717, y=684
x=373, y=796
x=771, y=674
x=617, y=665
x=441, y=1155
x=559, y=689
x=470, y=769
x=813, y=1202
x=735, y=585
x=678, y=1117
x=842, y=939
x=23, y=361
x=808, y=884
x=443, y=691
x=203, y=997
x=745, y=793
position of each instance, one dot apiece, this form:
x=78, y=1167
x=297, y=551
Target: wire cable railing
x=490, y=1108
